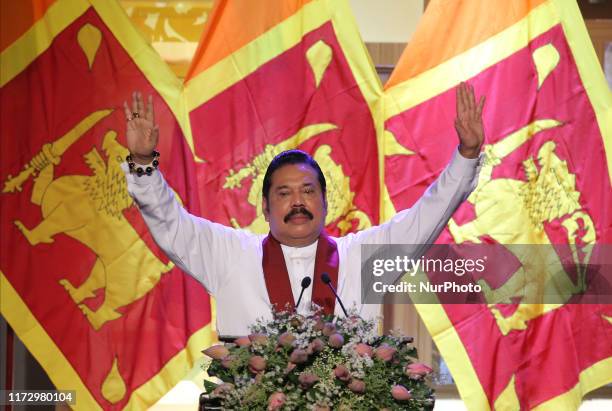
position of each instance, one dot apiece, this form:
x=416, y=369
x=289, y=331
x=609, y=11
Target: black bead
x=139, y=171
x=155, y=163
x=149, y=170
x=131, y=165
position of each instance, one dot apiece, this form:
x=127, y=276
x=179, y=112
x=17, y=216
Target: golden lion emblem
x=90, y=210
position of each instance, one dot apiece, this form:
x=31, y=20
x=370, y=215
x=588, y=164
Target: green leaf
x=210, y=386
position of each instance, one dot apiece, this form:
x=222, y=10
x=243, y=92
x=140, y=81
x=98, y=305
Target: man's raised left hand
x=469, y=121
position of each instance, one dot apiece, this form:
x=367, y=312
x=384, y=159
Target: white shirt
x=300, y=262
x=228, y=261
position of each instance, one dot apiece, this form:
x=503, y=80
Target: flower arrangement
x=320, y=363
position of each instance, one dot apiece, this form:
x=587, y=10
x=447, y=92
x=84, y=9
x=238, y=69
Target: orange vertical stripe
x=17, y=16
x=225, y=31
x=465, y=23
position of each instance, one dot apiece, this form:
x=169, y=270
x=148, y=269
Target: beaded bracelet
x=139, y=170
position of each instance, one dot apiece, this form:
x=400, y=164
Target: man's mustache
x=298, y=210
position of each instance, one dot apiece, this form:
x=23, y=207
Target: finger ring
x=135, y=115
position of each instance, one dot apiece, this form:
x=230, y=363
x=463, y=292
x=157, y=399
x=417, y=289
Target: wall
x=387, y=21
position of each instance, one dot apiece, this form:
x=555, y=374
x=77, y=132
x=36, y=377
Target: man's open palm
x=142, y=132
x=469, y=121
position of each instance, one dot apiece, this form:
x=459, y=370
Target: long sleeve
x=422, y=223
x=418, y=226
x=201, y=248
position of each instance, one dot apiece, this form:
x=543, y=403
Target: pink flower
x=286, y=339
x=298, y=356
x=216, y=352
x=222, y=390
x=296, y=320
x=357, y=386
x=329, y=329
x=242, y=341
x=289, y=367
x=319, y=325
x=228, y=361
x=400, y=393
x=276, y=401
x=257, y=364
x=364, y=350
x=258, y=338
x=385, y=352
x=342, y=373
x=307, y=380
x=336, y=340
x=315, y=345
x=417, y=370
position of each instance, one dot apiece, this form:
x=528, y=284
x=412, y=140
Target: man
x=247, y=273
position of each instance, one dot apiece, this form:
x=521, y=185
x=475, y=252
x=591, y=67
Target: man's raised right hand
x=142, y=132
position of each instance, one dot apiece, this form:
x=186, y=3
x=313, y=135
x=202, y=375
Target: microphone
x=325, y=278
x=305, y=283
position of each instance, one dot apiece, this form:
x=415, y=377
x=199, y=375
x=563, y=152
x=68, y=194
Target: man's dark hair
x=291, y=157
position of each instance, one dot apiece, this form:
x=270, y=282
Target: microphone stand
x=325, y=278
x=305, y=283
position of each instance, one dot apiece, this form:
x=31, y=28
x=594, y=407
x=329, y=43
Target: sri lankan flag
x=82, y=283
x=276, y=75
x=547, y=180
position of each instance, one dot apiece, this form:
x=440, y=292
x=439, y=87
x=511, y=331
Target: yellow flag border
x=15, y=59
x=280, y=38
x=456, y=357
x=591, y=74
x=460, y=68
x=447, y=75
x=414, y=91
x=367, y=79
x=156, y=71
x=20, y=54
x=65, y=377
x=277, y=40
x=41, y=346
x=470, y=389
x=247, y=59
x=597, y=375
x=600, y=96
x=174, y=370
x=244, y=61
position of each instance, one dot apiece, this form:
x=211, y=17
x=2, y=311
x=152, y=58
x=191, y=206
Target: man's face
x=296, y=208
